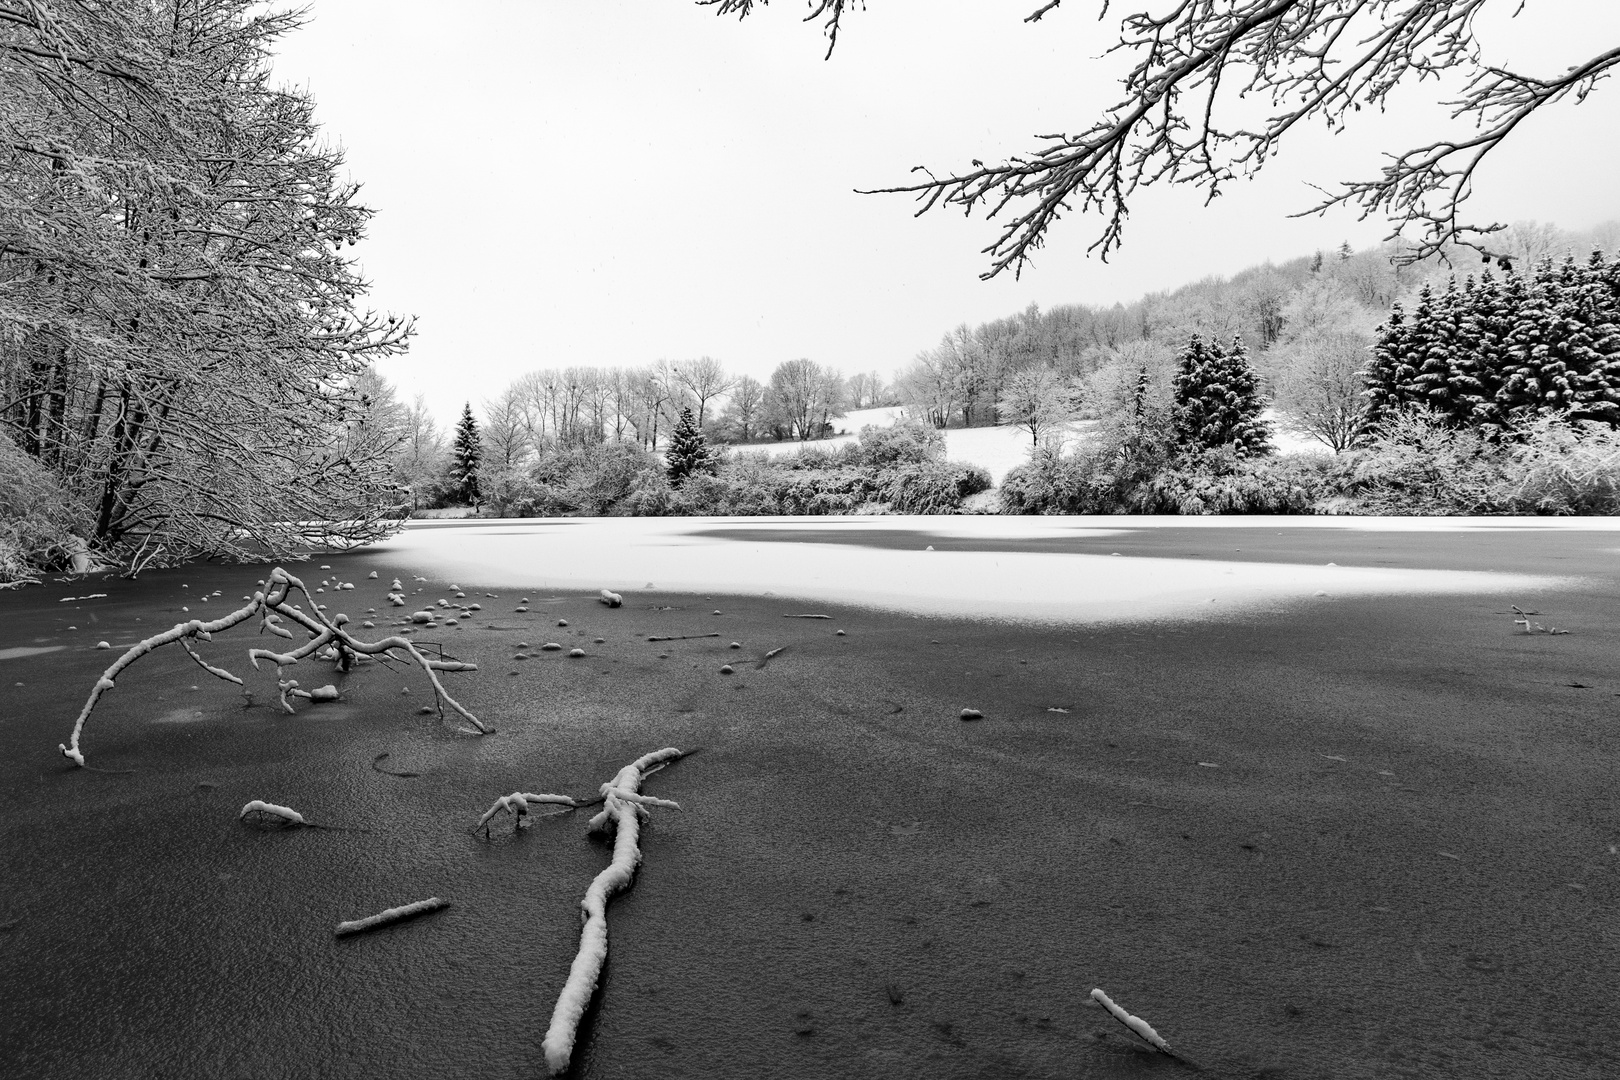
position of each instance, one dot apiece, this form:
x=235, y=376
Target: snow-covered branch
x=271, y=605
x=622, y=811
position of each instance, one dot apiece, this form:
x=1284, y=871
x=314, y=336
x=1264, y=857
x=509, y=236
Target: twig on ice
x=1135, y=1024
x=767, y=657
x=517, y=804
x=807, y=616
x=392, y=915
x=623, y=811
x=678, y=637
x=263, y=811
x=285, y=813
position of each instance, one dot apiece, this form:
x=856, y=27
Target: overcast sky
x=613, y=182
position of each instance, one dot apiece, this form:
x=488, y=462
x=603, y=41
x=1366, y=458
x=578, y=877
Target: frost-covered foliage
x=1419, y=463
x=1111, y=478
x=181, y=334
x=1498, y=353
x=688, y=453
x=597, y=480
x=1218, y=401
x=38, y=522
x=623, y=809
x=889, y=470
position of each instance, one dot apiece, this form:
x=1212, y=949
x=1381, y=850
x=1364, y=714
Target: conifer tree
x=1382, y=393
x=688, y=452
x=1217, y=400
x=1436, y=363
x=465, y=455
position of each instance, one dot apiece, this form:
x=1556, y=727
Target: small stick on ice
x=269, y=811
x=1136, y=1024
x=392, y=915
x=286, y=813
x=517, y=804
x=623, y=811
x=678, y=637
x=807, y=616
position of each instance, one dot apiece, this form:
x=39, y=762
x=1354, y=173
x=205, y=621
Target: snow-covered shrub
x=907, y=442
x=1417, y=464
x=37, y=519
x=930, y=487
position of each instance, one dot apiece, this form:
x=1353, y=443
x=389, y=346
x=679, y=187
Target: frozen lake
x=1029, y=568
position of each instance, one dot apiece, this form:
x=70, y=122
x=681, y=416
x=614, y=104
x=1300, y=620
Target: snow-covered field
x=997, y=450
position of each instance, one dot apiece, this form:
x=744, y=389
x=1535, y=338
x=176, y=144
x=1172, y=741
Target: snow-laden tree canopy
x=181, y=333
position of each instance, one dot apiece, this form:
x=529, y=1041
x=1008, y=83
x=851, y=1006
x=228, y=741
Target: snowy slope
x=997, y=450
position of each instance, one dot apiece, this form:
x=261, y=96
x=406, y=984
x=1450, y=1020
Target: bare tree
x=1319, y=391
x=504, y=432
x=744, y=410
x=420, y=457
x=1314, y=61
x=704, y=379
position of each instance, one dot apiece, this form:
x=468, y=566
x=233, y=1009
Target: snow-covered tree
x=1038, y=400
x=466, y=454
x=688, y=452
x=181, y=335
x=1217, y=400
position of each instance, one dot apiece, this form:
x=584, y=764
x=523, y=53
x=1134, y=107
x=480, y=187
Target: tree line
x=552, y=411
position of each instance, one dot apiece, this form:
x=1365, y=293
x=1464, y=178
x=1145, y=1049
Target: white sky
x=612, y=182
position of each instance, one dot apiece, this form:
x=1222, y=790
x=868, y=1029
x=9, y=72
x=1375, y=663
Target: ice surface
x=584, y=553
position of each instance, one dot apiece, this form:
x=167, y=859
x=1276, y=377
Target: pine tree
x=1218, y=400
x=465, y=456
x=1382, y=394
x=688, y=452
x=1436, y=365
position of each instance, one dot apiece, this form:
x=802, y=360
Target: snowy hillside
x=997, y=450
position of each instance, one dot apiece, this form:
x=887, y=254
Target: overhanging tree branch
x=1310, y=60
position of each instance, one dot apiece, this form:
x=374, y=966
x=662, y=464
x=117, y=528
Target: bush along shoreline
x=894, y=470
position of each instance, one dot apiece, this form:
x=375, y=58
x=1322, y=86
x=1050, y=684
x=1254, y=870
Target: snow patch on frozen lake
x=625, y=554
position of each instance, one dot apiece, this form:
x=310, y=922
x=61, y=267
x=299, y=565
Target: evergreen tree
x=1382, y=394
x=1596, y=346
x=1467, y=382
x=1520, y=394
x=1431, y=382
x=1218, y=400
x=465, y=456
x=688, y=452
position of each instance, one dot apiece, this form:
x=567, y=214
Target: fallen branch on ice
x=624, y=807
x=392, y=915
x=807, y=616
x=517, y=804
x=268, y=813
x=1135, y=1024
x=271, y=606
x=271, y=810
x=679, y=637
x=1530, y=627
